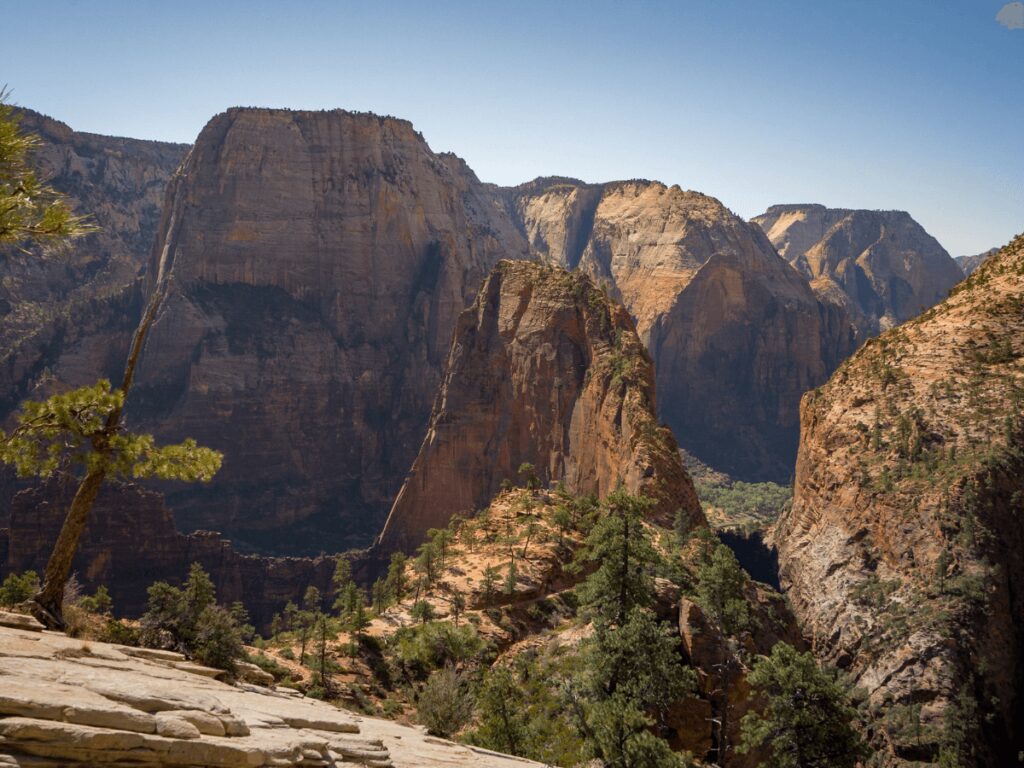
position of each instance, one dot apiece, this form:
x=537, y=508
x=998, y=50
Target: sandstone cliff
x=881, y=265
x=736, y=334
x=543, y=369
x=66, y=317
x=902, y=551
x=314, y=264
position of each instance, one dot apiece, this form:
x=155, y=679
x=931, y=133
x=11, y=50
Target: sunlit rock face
x=882, y=265
x=901, y=555
x=736, y=333
x=544, y=369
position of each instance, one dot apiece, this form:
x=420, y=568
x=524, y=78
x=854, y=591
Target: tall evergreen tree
x=808, y=719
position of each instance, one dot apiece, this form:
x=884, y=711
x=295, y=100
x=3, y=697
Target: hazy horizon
x=909, y=107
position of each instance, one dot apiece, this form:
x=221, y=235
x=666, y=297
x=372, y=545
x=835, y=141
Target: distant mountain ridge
x=882, y=266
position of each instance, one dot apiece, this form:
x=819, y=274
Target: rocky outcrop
x=970, y=263
x=65, y=702
x=902, y=551
x=736, y=334
x=314, y=264
x=544, y=369
x=881, y=265
x=131, y=541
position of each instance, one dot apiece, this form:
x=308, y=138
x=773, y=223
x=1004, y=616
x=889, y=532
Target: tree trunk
x=48, y=605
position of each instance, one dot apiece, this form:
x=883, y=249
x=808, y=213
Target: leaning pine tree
x=81, y=430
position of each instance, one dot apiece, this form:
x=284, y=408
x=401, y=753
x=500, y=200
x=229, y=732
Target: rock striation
x=881, y=265
x=543, y=369
x=64, y=702
x=902, y=551
x=114, y=554
x=314, y=264
x=736, y=334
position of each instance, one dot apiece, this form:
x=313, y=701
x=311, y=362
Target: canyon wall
x=902, y=551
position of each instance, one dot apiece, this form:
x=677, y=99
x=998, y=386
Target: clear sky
x=909, y=104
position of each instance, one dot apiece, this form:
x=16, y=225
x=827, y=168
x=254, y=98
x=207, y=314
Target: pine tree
x=808, y=719
x=396, y=581
x=625, y=556
x=489, y=584
x=504, y=724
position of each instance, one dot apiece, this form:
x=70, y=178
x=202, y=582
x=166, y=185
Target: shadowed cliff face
x=130, y=542
x=737, y=335
x=902, y=553
x=544, y=369
x=881, y=265
x=314, y=264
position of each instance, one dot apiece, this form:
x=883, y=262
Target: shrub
x=17, y=588
x=445, y=704
x=189, y=620
x=436, y=644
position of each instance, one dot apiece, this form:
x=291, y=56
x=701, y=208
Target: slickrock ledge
x=66, y=702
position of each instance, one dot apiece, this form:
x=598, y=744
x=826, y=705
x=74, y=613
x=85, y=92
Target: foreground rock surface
x=902, y=553
x=544, y=369
x=68, y=703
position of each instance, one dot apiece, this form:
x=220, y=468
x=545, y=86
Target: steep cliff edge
x=902, y=551
x=736, y=334
x=882, y=265
x=544, y=368
x=314, y=264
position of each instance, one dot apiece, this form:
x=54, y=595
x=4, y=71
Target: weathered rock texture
x=131, y=541
x=66, y=317
x=544, y=368
x=315, y=264
x=736, y=334
x=68, y=703
x=970, y=263
x=881, y=265
x=902, y=553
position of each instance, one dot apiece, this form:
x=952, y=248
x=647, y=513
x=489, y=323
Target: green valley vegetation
x=82, y=430
x=735, y=504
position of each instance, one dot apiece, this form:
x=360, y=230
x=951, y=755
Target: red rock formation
x=902, y=551
x=736, y=334
x=315, y=263
x=131, y=541
x=881, y=265
x=543, y=369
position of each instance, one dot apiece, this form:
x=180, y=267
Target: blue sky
x=909, y=104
